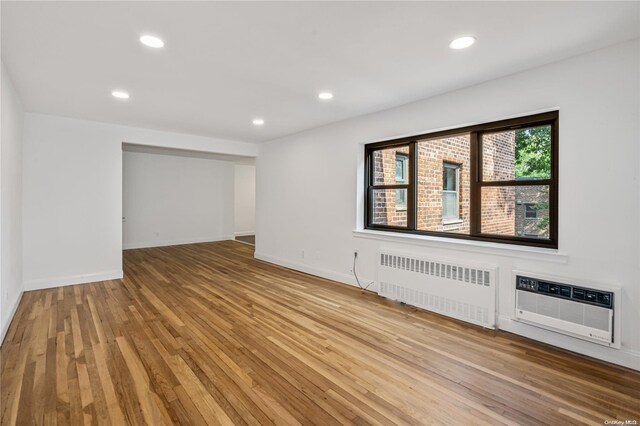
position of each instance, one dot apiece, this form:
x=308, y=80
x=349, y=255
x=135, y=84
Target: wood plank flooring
x=205, y=334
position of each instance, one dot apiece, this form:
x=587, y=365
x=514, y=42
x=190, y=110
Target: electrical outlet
x=356, y=252
x=302, y=254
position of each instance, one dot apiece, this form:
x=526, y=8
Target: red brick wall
x=432, y=154
x=498, y=210
x=498, y=203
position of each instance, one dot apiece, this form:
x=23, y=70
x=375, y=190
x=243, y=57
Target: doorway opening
x=174, y=197
x=245, y=201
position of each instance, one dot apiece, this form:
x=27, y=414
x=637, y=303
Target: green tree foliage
x=533, y=152
x=533, y=160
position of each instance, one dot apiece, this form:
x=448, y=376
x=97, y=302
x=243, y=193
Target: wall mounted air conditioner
x=589, y=312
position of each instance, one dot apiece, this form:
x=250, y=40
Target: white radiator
x=456, y=289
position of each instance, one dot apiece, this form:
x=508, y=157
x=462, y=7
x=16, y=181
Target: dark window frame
x=476, y=182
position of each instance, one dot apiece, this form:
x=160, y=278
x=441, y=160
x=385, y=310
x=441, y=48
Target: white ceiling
x=226, y=63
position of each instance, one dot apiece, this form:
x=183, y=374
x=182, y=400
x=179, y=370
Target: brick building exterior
x=531, y=210
x=433, y=156
x=443, y=188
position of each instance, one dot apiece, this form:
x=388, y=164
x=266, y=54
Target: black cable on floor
x=355, y=256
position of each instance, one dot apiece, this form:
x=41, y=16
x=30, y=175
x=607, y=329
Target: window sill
x=481, y=247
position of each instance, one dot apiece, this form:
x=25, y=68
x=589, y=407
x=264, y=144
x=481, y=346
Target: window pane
x=530, y=211
x=401, y=199
x=450, y=205
x=437, y=209
x=504, y=211
x=387, y=207
x=449, y=178
x=517, y=154
x=402, y=168
x=391, y=166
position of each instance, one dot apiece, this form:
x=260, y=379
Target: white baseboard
x=44, y=283
x=319, y=272
x=166, y=243
x=13, y=309
x=245, y=234
x=624, y=356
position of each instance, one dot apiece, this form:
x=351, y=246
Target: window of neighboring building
x=450, y=192
x=494, y=182
x=402, y=168
x=530, y=211
x=402, y=173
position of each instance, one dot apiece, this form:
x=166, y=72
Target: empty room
x=319, y=213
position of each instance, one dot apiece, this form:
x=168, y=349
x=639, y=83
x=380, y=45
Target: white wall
x=11, y=287
x=310, y=185
x=171, y=200
x=245, y=199
x=72, y=204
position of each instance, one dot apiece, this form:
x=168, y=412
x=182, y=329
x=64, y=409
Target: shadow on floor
x=249, y=239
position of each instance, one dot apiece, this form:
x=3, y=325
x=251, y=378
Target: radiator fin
x=438, y=269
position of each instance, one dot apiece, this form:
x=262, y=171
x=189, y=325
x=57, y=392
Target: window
x=492, y=182
x=389, y=186
x=402, y=161
x=402, y=173
x=450, y=192
x=530, y=211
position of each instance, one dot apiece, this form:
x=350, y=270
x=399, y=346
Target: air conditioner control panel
x=565, y=291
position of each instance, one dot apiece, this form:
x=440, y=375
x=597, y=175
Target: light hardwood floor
x=204, y=333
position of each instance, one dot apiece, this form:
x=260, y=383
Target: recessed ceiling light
x=462, y=42
x=152, y=41
x=258, y=122
x=325, y=96
x=120, y=94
